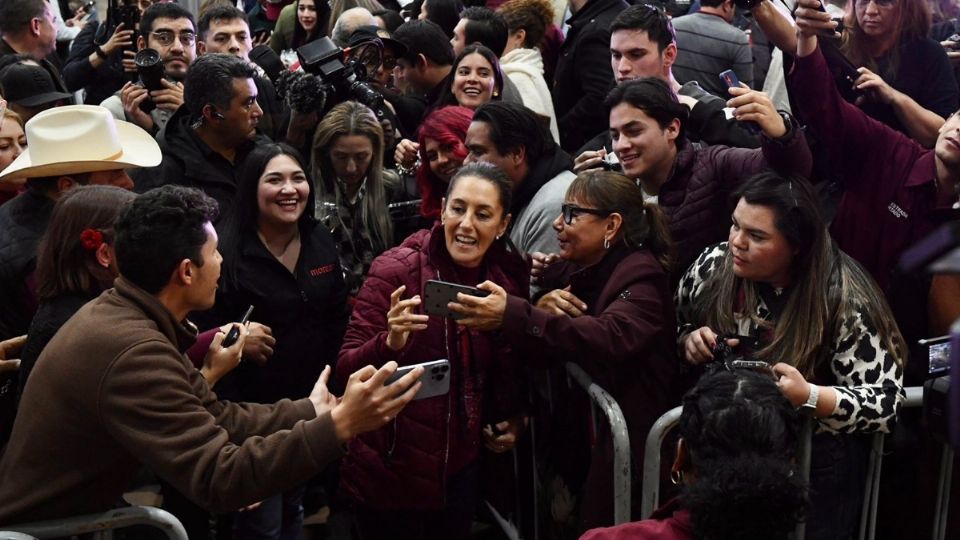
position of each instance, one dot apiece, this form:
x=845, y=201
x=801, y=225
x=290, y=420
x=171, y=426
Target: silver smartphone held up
x=435, y=380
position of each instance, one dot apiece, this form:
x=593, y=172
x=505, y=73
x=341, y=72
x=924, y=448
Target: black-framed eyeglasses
x=165, y=38
x=571, y=211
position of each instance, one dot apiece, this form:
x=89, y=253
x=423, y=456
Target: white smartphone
x=435, y=380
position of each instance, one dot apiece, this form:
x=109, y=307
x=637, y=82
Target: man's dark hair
x=654, y=97
x=168, y=10
x=649, y=19
x=219, y=14
x=513, y=126
x=161, y=228
x=426, y=38
x=711, y=3
x=486, y=27
x=391, y=18
x=15, y=15
x=48, y=184
x=210, y=82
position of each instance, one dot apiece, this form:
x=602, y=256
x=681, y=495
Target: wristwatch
x=811, y=404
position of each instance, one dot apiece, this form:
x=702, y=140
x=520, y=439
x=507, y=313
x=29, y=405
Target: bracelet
x=404, y=171
x=99, y=52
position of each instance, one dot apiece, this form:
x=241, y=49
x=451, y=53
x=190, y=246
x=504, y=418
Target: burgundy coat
x=626, y=342
x=406, y=464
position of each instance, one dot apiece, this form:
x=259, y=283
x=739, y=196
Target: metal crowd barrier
x=621, y=440
x=868, y=517
x=94, y=523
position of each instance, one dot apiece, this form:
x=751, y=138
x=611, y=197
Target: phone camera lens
x=444, y=368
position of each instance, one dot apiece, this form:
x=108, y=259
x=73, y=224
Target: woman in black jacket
x=280, y=261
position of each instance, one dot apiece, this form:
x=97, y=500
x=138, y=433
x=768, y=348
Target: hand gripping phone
x=437, y=294
x=435, y=380
x=732, y=81
x=234, y=334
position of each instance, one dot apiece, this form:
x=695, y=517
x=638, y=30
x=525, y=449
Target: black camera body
x=339, y=80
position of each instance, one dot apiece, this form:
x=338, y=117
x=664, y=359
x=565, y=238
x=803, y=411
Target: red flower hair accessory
x=91, y=239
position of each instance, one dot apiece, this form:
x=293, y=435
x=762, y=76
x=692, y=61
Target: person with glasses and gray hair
x=170, y=30
x=609, y=310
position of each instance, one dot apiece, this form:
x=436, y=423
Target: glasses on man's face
x=571, y=211
x=879, y=3
x=165, y=38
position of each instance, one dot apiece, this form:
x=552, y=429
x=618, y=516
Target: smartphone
x=234, y=334
x=732, y=81
x=437, y=294
x=938, y=352
x=435, y=380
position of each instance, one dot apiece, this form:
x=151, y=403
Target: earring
x=498, y=236
x=606, y=243
x=676, y=477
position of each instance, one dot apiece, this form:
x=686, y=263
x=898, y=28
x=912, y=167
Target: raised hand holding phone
x=234, y=332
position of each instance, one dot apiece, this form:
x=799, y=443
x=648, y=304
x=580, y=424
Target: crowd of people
x=223, y=229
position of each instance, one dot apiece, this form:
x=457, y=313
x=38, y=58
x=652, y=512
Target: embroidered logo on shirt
x=320, y=270
x=897, y=211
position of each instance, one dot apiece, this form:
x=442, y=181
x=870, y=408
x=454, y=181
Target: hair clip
x=91, y=239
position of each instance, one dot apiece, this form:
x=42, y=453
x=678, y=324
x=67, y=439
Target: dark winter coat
x=626, y=342
x=306, y=310
x=406, y=464
x=23, y=221
x=188, y=161
x=583, y=74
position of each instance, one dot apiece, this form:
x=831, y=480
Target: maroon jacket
x=669, y=522
x=626, y=342
x=405, y=464
x=696, y=197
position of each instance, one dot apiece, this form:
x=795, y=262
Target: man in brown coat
x=113, y=390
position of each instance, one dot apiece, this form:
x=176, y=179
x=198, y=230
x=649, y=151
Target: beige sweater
x=113, y=390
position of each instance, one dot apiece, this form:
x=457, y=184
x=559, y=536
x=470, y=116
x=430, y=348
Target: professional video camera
x=939, y=253
x=332, y=78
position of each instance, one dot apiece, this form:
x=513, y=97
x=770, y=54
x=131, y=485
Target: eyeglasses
x=571, y=211
x=879, y=3
x=165, y=38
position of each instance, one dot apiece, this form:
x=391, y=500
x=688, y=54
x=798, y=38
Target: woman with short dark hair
x=418, y=477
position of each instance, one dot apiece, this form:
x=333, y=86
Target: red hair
x=448, y=126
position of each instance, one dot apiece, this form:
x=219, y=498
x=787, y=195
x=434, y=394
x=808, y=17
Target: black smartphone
x=732, y=81
x=938, y=353
x=437, y=294
x=234, y=334
x=435, y=380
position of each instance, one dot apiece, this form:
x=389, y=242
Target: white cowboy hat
x=79, y=139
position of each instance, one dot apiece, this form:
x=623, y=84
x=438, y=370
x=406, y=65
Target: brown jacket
x=113, y=390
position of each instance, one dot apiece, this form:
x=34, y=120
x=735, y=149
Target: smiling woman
x=612, y=314
x=420, y=473
x=278, y=259
x=475, y=79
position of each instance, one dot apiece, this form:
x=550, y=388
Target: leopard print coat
x=868, y=382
